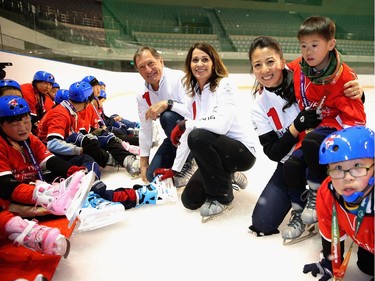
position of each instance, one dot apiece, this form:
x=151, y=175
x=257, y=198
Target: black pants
x=217, y=157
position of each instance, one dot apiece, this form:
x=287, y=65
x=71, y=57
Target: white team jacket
x=217, y=112
x=170, y=87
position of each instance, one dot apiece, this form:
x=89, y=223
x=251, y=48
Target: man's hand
x=155, y=110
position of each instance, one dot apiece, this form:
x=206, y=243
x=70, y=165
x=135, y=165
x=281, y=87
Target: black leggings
x=217, y=157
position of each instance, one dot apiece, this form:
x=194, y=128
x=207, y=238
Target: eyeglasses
x=354, y=172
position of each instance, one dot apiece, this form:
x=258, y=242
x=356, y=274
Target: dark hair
x=218, y=67
x=287, y=82
x=321, y=26
x=142, y=49
x=264, y=42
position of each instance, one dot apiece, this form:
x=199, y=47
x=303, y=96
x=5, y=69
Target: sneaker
x=40, y=238
x=132, y=165
x=239, y=181
x=295, y=227
x=97, y=212
x=182, y=178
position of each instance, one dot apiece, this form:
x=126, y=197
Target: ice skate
x=239, y=181
x=182, y=178
x=40, y=238
x=291, y=234
x=309, y=213
x=308, y=231
x=157, y=192
x=132, y=166
x=79, y=198
x=212, y=208
x=97, y=212
x=57, y=198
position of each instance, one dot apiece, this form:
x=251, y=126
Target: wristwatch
x=170, y=104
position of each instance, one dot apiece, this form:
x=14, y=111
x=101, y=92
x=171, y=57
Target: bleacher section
x=112, y=23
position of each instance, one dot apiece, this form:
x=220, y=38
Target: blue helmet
x=347, y=144
x=102, y=94
x=80, y=92
x=9, y=83
x=101, y=83
x=91, y=80
x=61, y=95
x=13, y=106
x=56, y=85
x=44, y=76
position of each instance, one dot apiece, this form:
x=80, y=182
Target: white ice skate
x=212, y=209
x=79, y=198
x=98, y=212
x=296, y=231
x=157, y=192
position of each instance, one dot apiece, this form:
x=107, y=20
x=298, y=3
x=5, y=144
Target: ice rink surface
x=169, y=242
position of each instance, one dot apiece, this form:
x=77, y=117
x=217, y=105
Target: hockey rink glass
x=354, y=172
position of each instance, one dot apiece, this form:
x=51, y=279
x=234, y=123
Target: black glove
x=324, y=267
x=307, y=119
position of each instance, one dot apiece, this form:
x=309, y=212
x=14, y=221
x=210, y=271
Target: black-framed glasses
x=354, y=172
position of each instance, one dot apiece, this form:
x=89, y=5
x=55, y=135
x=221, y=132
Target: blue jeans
x=274, y=203
x=166, y=153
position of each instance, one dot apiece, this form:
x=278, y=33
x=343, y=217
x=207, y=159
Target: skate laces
x=187, y=170
x=239, y=181
x=295, y=220
x=310, y=196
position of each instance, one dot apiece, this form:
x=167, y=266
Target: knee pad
x=310, y=148
x=294, y=173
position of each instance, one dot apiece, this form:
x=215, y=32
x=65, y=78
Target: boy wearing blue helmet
x=24, y=163
x=9, y=87
x=36, y=95
x=345, y=202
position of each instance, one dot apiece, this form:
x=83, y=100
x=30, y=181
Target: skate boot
x=97, y=212
x=157, y=192
x=295, y=227
x=212, y=208
x=132, y=166
x=239, y=181
x=44, y=239
x=131, y=148
x=182, y=178
x=56, y=198
x=309, y=213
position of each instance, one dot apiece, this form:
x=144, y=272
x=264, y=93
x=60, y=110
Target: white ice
x=169, y=242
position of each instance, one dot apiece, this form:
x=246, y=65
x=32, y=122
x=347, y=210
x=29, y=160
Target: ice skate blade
x=212, y=217
x=310, y=231
x=94, y=222
x=67, y=248
x=79, y=199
